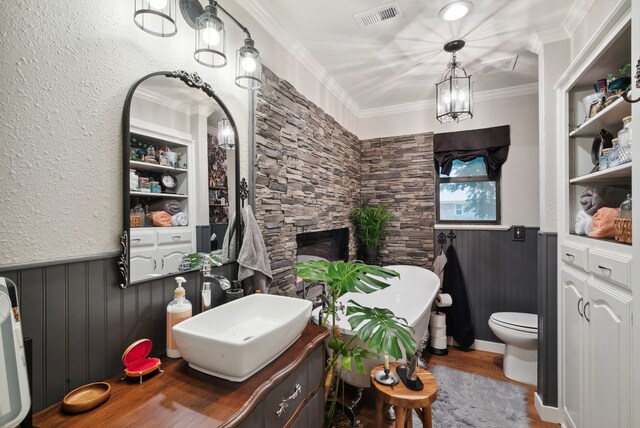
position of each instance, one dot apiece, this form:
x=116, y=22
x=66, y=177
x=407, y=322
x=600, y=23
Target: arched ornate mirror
x=181, y=175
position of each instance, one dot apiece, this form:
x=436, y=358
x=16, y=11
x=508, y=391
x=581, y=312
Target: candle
x=386, y=362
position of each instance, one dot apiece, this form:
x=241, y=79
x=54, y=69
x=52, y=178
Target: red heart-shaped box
x=136, y=359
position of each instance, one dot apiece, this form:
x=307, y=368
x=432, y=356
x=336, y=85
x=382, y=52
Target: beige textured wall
x=66, y=69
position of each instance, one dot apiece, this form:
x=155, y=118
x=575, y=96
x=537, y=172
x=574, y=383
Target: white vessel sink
x=235, y=340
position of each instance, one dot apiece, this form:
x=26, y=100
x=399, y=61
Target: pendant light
x=248, y=66
x=210, y=38
x=453, y=94
x=226, y=138
x=157, y=17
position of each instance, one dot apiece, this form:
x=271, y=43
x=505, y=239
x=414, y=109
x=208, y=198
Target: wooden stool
x=405, y=400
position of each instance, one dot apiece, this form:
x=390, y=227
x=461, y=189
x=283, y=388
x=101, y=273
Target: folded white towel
x=583, y=223
x=179, y=219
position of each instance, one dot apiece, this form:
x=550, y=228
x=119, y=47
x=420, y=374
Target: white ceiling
x=399, y=62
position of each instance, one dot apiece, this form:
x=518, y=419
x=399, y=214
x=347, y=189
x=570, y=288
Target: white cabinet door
x=573, y=347
x=143, y=264
x=609, y=317
x=170, y=256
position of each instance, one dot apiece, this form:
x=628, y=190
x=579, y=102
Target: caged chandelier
x=158, y=17
x=453, y=93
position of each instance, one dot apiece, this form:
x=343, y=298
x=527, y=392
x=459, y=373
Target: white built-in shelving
x=617, y=174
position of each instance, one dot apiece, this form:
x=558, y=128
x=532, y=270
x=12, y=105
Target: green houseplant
x=370, y=225
x=377, y=328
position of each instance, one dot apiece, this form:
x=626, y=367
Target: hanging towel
x=438, y=266
x=255, y=266
x=583, y=223
x=229, y=244
x=459, y=323
x=170, y=205
x=161, y=218
x=179, y=219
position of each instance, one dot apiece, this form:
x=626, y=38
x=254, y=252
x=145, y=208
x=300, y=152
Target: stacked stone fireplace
x=311, y=173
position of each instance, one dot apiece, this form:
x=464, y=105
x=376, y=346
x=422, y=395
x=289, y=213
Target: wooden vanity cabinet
x=289, y=392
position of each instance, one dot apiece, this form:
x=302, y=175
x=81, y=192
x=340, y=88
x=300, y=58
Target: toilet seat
x=527, y=323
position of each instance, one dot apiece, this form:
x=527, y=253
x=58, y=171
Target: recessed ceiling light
x=455, y=10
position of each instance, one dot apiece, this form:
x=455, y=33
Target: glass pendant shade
x=157, y=17
x=454, y=95
x=248, y=66
x=210, y=39
x=226, y=137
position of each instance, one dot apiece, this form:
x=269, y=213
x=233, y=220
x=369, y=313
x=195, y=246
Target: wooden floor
x=483, y=363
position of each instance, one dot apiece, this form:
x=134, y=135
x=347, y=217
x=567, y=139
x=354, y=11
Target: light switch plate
x=518, y=233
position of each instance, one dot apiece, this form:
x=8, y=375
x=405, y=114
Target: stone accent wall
x=399, y=172
x=307, y=174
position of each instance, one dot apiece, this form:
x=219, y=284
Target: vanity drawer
x=173, y=236
x=574, y=255
x=142, y=238
x=611, y=267
x=291, y=391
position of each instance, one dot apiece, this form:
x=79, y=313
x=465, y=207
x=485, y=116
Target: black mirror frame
x=193, y=80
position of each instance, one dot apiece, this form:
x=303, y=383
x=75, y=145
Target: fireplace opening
x=331, y=245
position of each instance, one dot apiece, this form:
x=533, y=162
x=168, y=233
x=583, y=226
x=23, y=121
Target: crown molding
x=293, y=45
x=162, y=101
x=576, y=14
x=614, y=24
x=540, y=38
x=514, y=91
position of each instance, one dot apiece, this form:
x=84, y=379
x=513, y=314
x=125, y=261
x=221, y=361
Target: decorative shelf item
x=617, y=173
x=611, y=116
x=86, y=397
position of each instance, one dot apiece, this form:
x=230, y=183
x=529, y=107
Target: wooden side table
x=405, y=400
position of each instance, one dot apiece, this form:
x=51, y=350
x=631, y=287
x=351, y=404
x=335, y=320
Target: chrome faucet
x=205, y=269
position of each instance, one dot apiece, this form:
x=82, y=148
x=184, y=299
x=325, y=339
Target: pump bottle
x=177, y=311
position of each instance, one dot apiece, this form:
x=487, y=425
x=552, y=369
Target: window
x=468, y=165
x=467, y=194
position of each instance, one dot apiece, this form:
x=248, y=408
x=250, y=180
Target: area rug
x=471, y=400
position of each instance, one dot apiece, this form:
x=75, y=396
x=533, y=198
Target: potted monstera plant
x=378, y=329
x=370, y=225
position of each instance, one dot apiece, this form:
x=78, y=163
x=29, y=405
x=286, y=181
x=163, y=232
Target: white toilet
x=519, y=332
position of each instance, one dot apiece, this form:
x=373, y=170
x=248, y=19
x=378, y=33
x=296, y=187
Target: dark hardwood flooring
x=479, y=362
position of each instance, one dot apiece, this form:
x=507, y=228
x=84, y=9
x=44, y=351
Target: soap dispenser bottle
x=177, y=311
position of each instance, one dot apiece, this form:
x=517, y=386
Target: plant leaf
x=381, y=330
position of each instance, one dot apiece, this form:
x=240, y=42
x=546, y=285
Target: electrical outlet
x=518, y=233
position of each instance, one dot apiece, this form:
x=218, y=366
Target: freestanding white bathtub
x=409, y=297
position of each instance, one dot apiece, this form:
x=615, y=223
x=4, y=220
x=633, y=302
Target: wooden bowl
x=86, y=397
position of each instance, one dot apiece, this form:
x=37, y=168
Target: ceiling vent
x=504, y=64
x=384, y=13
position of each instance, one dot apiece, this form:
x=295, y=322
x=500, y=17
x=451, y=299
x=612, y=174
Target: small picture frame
x=594, y=108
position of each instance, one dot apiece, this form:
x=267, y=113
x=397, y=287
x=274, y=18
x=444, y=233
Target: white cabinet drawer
x=173, y=236
x=574, y=255
x=610, y=267
x=142, y=237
